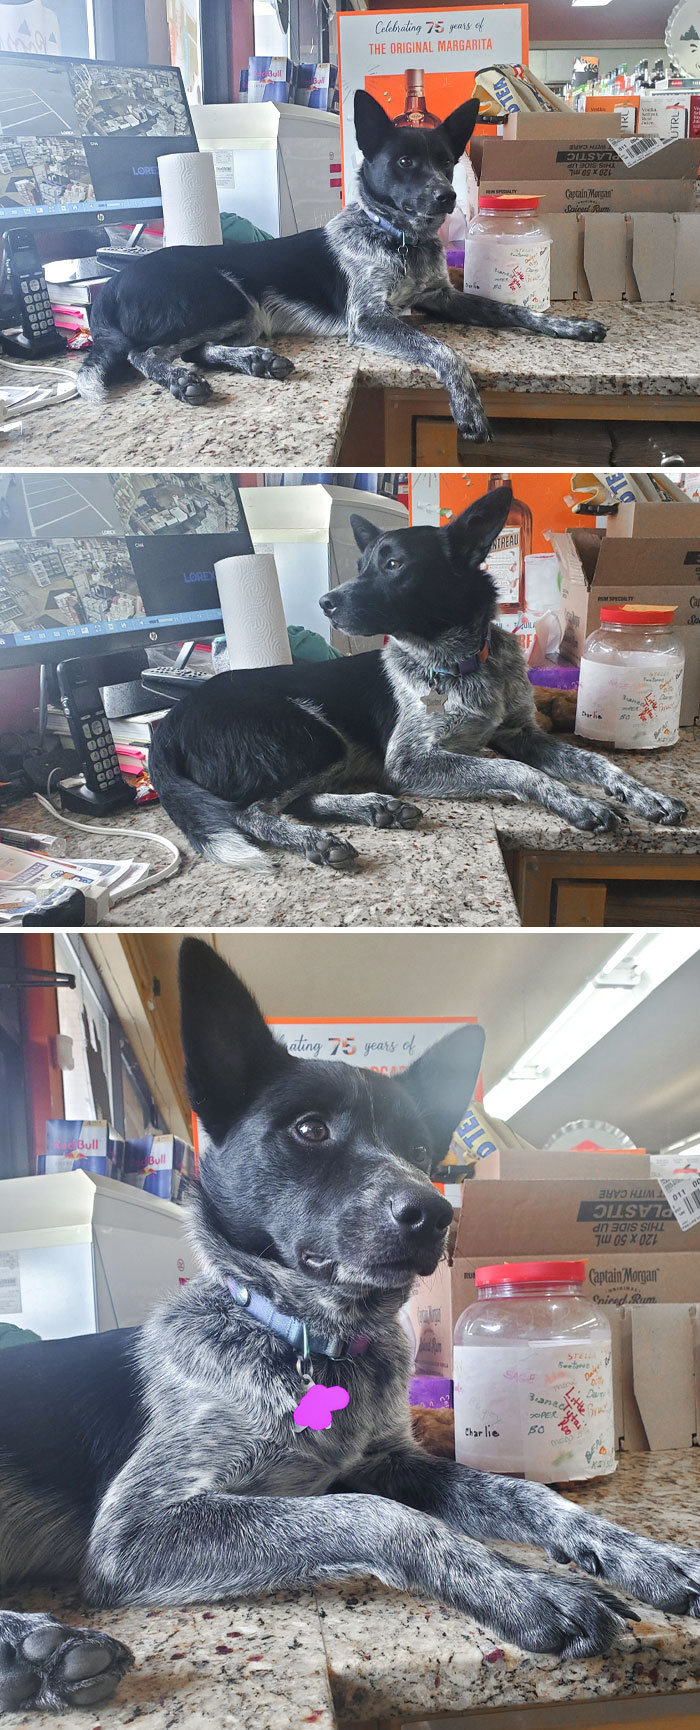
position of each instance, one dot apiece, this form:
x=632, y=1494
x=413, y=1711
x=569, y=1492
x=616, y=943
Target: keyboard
x=167, y=682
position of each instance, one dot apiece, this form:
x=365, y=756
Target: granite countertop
x=255, y=1665
x=391, y=1656
x=257, y=423
x=363, y=1651
x=449, y=871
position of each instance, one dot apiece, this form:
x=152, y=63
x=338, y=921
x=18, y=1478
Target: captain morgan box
x=376, y=50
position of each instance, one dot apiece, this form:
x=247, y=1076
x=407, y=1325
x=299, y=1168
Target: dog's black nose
x=327, y=605
x=421, y=1210
x=444, y=201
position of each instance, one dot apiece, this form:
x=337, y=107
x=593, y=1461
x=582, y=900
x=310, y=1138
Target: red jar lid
x=633, y=615
x=504, y=201
x=532, y=1273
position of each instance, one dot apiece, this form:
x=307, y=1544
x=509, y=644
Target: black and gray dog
x=167, y=1468
x=375, y=261
x=259, y=756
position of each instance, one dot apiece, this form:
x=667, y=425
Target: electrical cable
x=153, y=878
x=15, y=410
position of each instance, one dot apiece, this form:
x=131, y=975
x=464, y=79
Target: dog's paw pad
x=330, y=850
x=54, y=1666
x=392, y=814
x=190, y=387
x=281, y=367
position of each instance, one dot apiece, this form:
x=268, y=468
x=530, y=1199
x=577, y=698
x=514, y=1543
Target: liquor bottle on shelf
x=506, y=560
x=415, y=112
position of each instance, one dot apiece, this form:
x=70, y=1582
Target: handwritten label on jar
x=542, y=1410
x=636, y=708
x=510, y=270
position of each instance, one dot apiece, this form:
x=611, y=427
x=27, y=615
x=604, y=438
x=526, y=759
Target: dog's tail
x=208, y=822
x=106, y=363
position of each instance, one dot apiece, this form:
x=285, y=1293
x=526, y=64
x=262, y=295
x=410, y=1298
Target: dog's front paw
x=589, y=330
x=188, y=386
x=473, y=426
x=266, y=364
x=330, y=850
x=388, y=813
x=44, y=1665
x=654, y=807
x=664, y=1575
x=593, y=816
x=555, y=1615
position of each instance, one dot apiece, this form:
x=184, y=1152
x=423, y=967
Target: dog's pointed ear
x=364, y=531
x=230, y=1052
x=373, y=126
x=459, y=126
x=473, y=533
x=441, y=1083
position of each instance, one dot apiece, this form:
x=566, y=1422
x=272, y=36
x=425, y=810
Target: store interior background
x=190, y=33
x=642, y=1077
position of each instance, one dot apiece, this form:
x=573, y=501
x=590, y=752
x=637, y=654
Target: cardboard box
x=527, y=124
x=275, y=163
x=646, y=256
x=571, y=177
x=624, y=109
x=73, y=1144
x=577, y=1217
x=663, y=115
x=81, y=1254
x=517, y=1163
x=642, y=1280
x=655, y=1390
x=159, y=1164
x=658, y=564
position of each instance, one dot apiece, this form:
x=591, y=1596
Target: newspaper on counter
x=29, y=880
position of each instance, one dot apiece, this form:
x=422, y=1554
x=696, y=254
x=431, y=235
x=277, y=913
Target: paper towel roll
x=190, y=199
x=252, y=611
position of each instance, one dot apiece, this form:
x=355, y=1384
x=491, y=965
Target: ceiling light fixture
x=635, y=969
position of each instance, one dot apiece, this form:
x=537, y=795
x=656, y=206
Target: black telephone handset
x=31, y=299
x=91, y=733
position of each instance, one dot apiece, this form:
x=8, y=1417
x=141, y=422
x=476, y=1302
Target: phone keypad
x=102, y=753
x=37, y=302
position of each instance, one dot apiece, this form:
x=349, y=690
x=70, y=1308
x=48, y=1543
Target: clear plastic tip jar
x=631, y=680
x=507, y=252
x=533, y=1392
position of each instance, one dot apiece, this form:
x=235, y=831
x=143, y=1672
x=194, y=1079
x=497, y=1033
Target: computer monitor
x=82, y=138
x=92, y=563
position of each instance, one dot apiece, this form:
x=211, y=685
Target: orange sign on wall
x=544, y=493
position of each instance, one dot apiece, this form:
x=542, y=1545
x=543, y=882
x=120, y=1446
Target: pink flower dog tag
x=317, y=1405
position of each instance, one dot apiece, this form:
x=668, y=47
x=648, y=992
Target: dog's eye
x=405, y=162
x=312, y=1129
x=392, y=564
x=420, y=1153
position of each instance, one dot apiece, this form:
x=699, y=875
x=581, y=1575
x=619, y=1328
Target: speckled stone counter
x=256, y=423
x=390, y=1656
x=277, y=1663
x=675, y=772
x=449, y=871
x=239, y=1666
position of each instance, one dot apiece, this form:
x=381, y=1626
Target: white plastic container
x=507, y=252
x=631, y=680
x=533, y=1394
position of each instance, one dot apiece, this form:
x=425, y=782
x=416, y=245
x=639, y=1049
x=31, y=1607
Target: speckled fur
x=221, y=1493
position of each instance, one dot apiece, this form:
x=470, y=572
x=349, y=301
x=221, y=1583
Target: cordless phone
x=104, y=787
x=31, y=300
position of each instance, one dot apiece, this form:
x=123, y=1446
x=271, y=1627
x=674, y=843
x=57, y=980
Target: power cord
x=153, y=878
x=15, y=410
